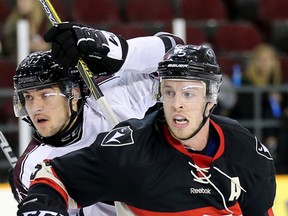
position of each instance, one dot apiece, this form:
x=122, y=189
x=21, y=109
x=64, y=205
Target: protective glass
x=43, y=100
x=190, y=93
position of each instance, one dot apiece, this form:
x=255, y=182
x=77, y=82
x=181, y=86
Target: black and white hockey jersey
x=129, y=93
x=141, y=164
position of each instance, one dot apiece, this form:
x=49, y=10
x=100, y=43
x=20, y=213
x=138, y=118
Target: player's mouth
x=180, y=121
x=40, y=120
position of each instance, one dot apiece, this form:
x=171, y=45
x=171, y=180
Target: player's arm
x=46, y=194
x=19, y=174
x=261, y=197
x=104, y=52
x=77, y=179
x=145, y=53
x=261, y=184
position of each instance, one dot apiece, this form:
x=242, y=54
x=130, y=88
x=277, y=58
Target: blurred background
x=250, y=38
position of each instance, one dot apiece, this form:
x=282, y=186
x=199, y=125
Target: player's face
x=184, y=103
x=48, y=109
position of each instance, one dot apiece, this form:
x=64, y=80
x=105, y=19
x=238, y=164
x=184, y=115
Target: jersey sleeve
x=252, y=163
x=261, y=202
x=144, y=53
x=260, y=183
x=84, y=175
x=20, y=175
x=82, y=178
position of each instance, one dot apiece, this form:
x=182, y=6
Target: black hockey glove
x=41, y=205
x=103, y=52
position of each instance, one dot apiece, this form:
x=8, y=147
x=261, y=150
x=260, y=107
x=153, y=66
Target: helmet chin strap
x=55, y=139
x=74, y=114
x=203, y=121
x=60, y=138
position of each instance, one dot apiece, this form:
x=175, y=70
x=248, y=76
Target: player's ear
x=209, y=107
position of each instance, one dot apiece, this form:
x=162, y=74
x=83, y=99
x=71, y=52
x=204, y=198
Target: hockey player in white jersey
x=53, y=99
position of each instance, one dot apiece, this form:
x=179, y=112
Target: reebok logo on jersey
x=200, y=191
x=118, y=137
x=262, y=150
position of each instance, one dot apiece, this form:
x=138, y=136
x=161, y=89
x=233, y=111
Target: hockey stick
x=7, y=150
x=84, y=70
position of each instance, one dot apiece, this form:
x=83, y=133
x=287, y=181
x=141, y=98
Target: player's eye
x=28, y=97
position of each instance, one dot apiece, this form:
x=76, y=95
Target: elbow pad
x=169, y=40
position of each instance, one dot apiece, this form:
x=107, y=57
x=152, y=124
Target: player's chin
x=44, y=131
x=180, y=133
x=182, y=136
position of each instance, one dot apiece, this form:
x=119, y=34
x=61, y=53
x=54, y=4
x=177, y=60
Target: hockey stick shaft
x=84, y=70
x=7, y=150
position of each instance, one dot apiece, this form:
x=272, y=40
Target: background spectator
x=38, y=23
x=263, y=67
x=264, y=70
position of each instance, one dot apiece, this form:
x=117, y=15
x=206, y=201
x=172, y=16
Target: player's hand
x=40, y=205
x=72, y=41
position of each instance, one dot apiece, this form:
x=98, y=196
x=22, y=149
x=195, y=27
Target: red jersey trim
x=176, y=144
x=270, y=212
x=205, y=211
x=54, y=185
x=220, y=150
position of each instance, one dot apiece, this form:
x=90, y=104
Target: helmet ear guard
x=191, y=62
x=19, y=105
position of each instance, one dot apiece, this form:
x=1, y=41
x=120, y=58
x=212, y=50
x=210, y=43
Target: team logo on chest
x=121, y=136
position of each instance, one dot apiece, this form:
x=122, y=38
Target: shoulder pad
x=120, y=136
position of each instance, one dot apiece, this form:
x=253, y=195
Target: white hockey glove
x=37, y=204
x=103, y=52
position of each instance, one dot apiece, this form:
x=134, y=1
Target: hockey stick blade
x=84, y=70
x=7, y=150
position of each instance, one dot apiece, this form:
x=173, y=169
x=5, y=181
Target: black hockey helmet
x=193, y=63
x=39, y=70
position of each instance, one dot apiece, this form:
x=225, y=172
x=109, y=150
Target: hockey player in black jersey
x=178, y=160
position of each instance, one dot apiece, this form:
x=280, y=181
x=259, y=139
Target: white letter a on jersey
x=235, y=189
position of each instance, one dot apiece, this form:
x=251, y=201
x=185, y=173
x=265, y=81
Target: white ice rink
x=8, y=204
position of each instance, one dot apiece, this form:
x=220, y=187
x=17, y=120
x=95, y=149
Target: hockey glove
x=37, y=204
x=102, y=51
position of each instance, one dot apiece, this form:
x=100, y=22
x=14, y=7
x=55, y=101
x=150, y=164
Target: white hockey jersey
x=129, y=93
